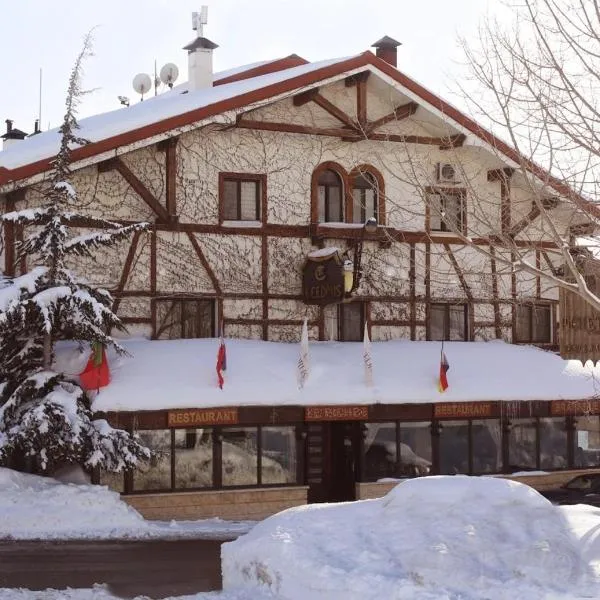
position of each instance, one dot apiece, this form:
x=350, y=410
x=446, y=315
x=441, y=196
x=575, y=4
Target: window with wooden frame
x=351, y=321
x=533, y=323
x=330, y=197
x=448, y=322
x=184, y=318
x=446, y=210
x=365, y=197
x=242, y=196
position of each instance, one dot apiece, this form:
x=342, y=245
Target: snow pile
x=265, y=373
x=467, y=537
x=33, y=507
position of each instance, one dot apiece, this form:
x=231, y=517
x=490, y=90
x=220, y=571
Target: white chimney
x=200, y=51
x=12, y=135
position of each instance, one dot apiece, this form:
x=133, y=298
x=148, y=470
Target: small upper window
x=331, y=197
x=365, y=198
x=533, y=323
x=241, y=197
x=446, y=211
x=448, y=322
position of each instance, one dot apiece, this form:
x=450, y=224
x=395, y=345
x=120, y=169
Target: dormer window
x=331, y=197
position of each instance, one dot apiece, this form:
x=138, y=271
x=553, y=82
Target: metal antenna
x=199, y=20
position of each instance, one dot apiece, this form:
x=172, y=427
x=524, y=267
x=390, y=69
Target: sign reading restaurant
x=202, y=417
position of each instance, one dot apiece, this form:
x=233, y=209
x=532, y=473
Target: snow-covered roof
x=181, y=374
x=153, y=110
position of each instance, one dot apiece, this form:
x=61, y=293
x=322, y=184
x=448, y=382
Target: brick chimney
x=12, y=135
x=200, y=55
x=387, y=49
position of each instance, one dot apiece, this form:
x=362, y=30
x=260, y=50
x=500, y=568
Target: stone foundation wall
x=253, y=504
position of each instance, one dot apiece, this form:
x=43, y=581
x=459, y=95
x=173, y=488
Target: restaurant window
x=193, y=458
x=278, y=455
x=533, y=323
x=454, y=447
x=380, y=451
x=522, y=445
x=553, y=443
x=330, y=197
x=446, y=211
x=114, y=481
x=154, y=474
x=587, y=442
x=241, y=196
x=448, y=322
x=239, y=456
x=184, y=318
x=486, y=444
x=365, y=198
x=415, y=448
x=351, y=322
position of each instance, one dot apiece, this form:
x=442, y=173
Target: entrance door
x=332, y=461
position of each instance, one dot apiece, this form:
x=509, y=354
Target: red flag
x=96, y=373
x=444, y=366
x=221, y=362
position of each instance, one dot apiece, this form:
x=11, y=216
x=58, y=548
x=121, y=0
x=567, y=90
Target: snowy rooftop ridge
x=153, y=110
x=181, y=374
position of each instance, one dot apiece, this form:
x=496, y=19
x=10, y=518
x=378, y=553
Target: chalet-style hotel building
x=344, y=193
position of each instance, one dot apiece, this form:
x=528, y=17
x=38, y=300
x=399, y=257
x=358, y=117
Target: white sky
x=131, y=34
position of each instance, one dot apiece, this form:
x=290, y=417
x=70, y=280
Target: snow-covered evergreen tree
x=45, y=415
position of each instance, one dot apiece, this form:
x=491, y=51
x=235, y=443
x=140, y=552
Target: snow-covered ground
x=434, y=537
x=33, y=507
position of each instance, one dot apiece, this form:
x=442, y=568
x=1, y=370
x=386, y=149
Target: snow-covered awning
x=181, y=374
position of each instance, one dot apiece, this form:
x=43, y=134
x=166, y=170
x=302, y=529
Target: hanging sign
x=574, y=407
x=579, y=330
x=336, y=413
x=462, y=410
x=323, y=277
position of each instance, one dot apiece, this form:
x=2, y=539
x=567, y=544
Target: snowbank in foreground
x=468, y=537
x=33, y=507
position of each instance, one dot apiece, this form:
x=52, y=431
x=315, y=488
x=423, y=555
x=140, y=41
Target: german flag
x=444, y=366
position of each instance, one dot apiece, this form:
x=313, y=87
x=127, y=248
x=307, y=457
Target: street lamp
x=351, y=266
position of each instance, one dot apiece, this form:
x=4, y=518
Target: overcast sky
x=131, y=34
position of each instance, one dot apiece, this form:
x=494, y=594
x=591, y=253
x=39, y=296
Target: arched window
x=330, y=197
x=365, y=198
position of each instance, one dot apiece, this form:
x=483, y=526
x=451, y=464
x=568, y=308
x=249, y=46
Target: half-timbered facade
x=243, y=180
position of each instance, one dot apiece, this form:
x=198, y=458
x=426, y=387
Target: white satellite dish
x=142, y=83
x=169, y=74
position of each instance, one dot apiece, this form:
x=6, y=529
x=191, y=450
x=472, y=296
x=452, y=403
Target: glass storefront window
x=155, y=474
x=454, y=447
x=239, y=450
x=553, y=443
x=587, y=442
x=522, y=445
x=279, y=456
x=114, y=481
x=193, y=458
x=379, y=451
x=486, y=435
x=415, y=448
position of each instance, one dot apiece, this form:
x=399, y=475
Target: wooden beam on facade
x=264, y=270
x=294, y=128
x=459, y=273
x=412, y=291
x=398, y=114
x=126, y=270
x=334, y=111
x=504, y=177
x=141, y=190
x=531, y=216
x=551, y=266
x=305, y=97
x=207, y=267
x=9, y=240
x=356, y=78
x=453, y=141
x=361, y=103
x=171, y=179
x=496, y=304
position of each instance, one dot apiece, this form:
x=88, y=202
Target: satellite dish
x=142, y=83
x=169, y=74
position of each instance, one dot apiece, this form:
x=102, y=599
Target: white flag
x=367, y=358
x=303, y=359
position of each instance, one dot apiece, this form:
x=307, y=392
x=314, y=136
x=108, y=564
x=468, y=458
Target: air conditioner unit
x=447, y=173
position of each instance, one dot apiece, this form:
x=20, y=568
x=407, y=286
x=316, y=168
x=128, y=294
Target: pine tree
x=45, y=416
